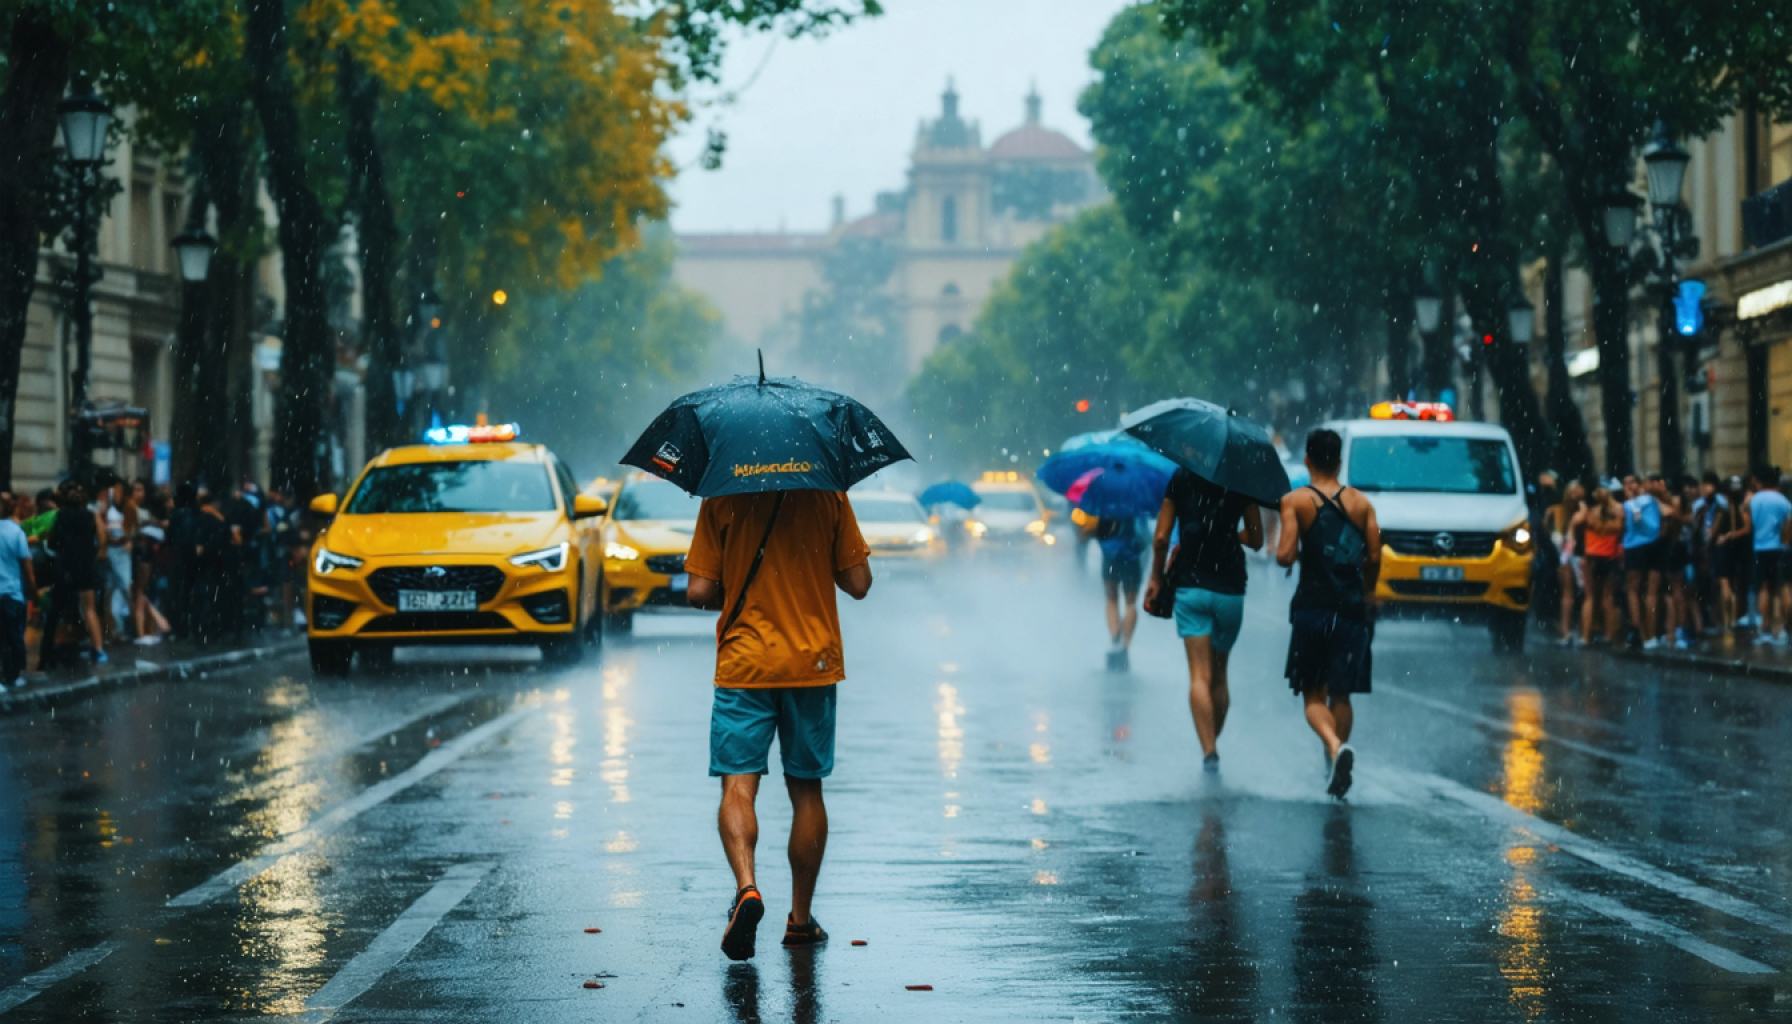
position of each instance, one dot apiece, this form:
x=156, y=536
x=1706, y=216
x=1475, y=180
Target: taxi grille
x=669, y=565
x=1437, y=588
x=483, y=580
x=1423, y=543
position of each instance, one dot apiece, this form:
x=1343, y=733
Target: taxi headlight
x=620, y=552
x=1518, y=538
x=1036, y=527
x=922, y=536
x=975, y=527
x=327, y=562
x=549, y=559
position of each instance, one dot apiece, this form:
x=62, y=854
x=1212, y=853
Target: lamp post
x=432, y=370
x=1669, y=229
x=1428, y=314
x=84, y=119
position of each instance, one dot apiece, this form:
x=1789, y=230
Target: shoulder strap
x=740, y=602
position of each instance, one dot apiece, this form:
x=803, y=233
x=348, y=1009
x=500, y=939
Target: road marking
x=1680, y=938
x=227, y=880
x=29, y=987
x=1629, y=760
x=1594, y=852
x=394, y=944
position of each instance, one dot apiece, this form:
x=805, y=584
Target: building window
x=949, y=220
x=950, y=333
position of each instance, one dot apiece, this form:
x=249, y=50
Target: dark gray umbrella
x=753, y=435
x=1214, y=443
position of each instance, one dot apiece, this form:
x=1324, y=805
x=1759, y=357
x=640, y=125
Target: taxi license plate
x=679, y=583
x=1441, y=573
x=437, y=601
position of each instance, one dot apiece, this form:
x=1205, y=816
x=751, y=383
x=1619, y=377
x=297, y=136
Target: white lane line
x=1679, y=938
x=1497, y=725
x=227, y=880
x=393, y=944
x=27, y=988
x=1594, y=852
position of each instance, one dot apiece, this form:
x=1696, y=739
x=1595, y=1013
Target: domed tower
x=1038, y=176
x=948, y=190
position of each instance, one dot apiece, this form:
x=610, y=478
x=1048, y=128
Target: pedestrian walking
x=118, y=515
x=1122, y=545
x=1207, y=577
x=74, y=545
x=149, y=624
x=1676, y=561
x=1330, y=529
x=1602, y=529
x=1567, y=527
x=17, y=584
x=1769, y=516
x=1642, y=561
x=1735, y=555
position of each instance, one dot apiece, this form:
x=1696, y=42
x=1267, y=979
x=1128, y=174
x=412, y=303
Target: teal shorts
x=1208, y=613
x=742, y=723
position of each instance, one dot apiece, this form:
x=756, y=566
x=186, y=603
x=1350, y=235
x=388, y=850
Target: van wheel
x=1508, y=629
x=331, y=658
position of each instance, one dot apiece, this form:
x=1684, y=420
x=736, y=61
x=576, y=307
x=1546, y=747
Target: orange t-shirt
x=788, y=634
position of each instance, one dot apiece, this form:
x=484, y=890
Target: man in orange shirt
x=770, y=563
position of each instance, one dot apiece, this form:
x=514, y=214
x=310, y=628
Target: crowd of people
x=1655, y=563
x=83, y=565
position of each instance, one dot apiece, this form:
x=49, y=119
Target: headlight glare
x=548, y=559
x=620, y=552
x=1518, y=538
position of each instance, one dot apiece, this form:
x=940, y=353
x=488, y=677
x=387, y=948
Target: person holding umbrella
x=775, y=538
x=1115, y=485
x=1227, y=467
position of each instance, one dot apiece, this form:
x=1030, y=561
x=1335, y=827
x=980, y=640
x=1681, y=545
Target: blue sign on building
x=1689, y=308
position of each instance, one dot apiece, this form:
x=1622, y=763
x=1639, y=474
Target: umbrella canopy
x=1108, y=438
x=1214, y=443
x=753, y=435
x=1125, y=490
x=950, y=492
x=1109, y=479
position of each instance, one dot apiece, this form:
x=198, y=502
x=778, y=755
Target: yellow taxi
x=646, y=537
x=1010, y=510
x=895, y=525
x=473, y=537
x=1455, y=529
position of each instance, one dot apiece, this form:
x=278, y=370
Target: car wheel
x=331, y=658
x=620, y=622
x=1508, y=631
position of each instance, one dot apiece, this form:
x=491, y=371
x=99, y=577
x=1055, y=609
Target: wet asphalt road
x=1556, y=837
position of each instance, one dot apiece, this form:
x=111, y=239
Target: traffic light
x=1082, y=405
x=500, y=297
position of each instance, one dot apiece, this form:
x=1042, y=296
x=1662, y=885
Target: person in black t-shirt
x=1207, y=573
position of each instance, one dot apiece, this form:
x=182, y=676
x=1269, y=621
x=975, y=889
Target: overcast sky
x=817, y=117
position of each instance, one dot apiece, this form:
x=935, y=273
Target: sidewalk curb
x=50, y=695
x=1714, y=663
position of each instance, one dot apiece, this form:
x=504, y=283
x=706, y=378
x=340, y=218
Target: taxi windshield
x=479, y=485
x=655, y=499
x=1008, y=501
x=886, y=510
x=1419, y=463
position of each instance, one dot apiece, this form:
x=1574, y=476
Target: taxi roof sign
x=477, y=433
x=1434, y=412
x=999, y=476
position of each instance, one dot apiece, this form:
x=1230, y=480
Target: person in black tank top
x=1331, y=532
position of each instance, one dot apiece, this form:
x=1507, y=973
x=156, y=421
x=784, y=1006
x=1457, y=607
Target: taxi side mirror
x=324, y=504
x=587, y=506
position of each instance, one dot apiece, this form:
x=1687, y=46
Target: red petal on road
x=593, y=931
x=919, y=988
x=860, y=942
x=594, y=984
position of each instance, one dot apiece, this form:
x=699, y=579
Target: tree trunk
x=1440, y=352
x=193, y=434
x=301, y=443
x=37, y=70
x=1397, y=304
x=1573, y=453
x=377, y=229
x=1611, y=332
x=1671, y=436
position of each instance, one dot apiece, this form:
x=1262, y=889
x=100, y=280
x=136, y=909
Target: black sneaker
x=743, y=924
x=1211, y=764
x=1341, y=766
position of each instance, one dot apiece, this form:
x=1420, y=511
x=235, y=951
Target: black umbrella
x=753, y=435
x=1214, y=443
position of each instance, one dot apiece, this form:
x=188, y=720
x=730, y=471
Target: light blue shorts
x=1206, y=613
x=743, y=721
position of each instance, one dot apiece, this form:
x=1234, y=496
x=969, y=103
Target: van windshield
x=1448, y=465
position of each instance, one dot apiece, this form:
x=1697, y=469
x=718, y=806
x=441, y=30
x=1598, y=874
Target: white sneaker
x=1763, y=640
x=1652, y=644
x=147, y=641
x=19, y=683
x=1680, y=644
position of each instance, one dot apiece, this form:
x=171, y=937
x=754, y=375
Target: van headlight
x=1518, y=538
x=922, y=536
x=620, y=552
x=327, y=562
x=549, y=559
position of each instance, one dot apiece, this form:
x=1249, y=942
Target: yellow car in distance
x=646, y=537
x=895, y=525
x=477, y=538
x=1010, y=511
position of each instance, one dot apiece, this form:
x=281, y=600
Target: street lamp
x=1428, y=308
x=1620, y=219
x=85, y=121
x=1666, y=164
x=193, y=250
x=1521, y=318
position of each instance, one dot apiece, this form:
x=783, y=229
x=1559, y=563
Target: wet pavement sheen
x=1561, y=836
